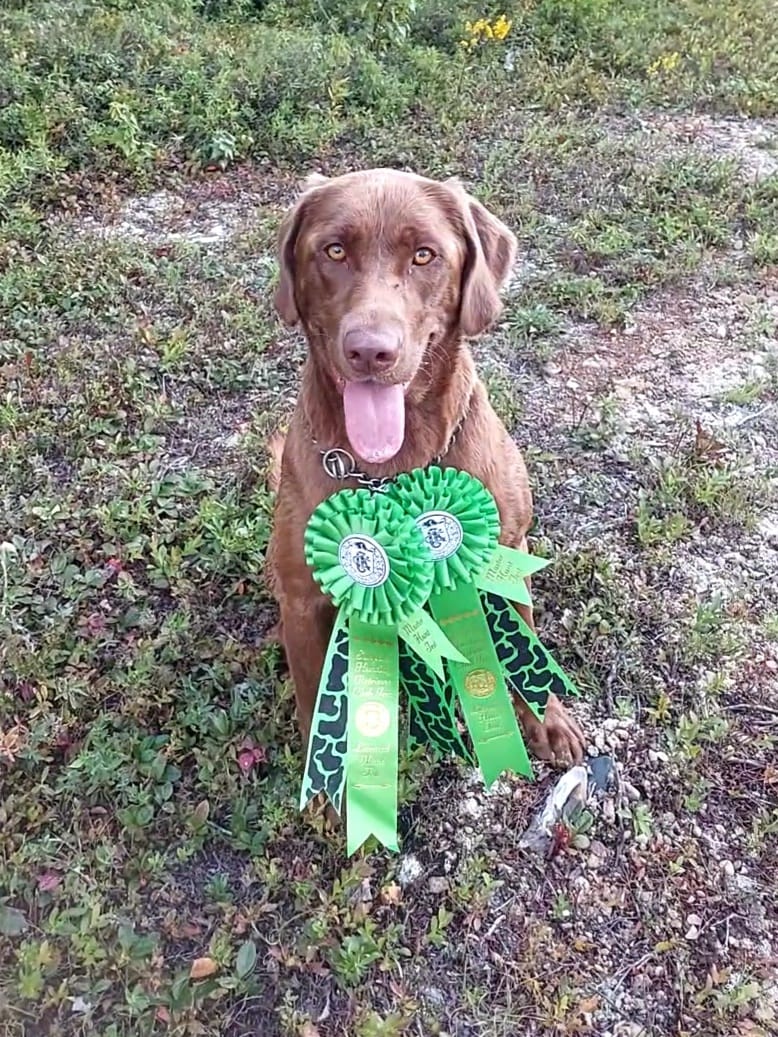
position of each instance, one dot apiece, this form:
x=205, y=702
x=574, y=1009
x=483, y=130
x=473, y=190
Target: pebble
x=434, y=996
x=728, y=868
x=694, y=923
x=438, y=884
x=629, y=1030
x=471, y=807
x=609, y=812
x=410, y=869
x=631, y=792
x=746, y=883
x=658, y=756
x=597, y=855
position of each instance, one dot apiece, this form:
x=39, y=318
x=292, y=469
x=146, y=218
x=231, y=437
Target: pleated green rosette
x=371, y=560
x=475, y=577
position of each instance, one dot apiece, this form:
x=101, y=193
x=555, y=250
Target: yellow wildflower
x=664, y=63
x=501, y=27
x=482, y=30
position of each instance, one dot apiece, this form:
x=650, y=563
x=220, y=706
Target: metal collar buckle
x=340, y=464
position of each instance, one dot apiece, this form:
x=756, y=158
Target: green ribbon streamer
x=432, y=719
x=325, y=758
x=429, y=642
x=526, y=662
x=506, y=571
x=373, y=722
x=483, y=693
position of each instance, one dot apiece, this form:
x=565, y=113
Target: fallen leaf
x=391, y=893
x=200, y=814
x=240, y=924
x=48, y=881
x=202, y=967
x=707, y=447
x=162, y=1014
x=11, y=742
x=189, y=929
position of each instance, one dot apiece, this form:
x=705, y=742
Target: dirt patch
x=207, y=212
x=751, y=143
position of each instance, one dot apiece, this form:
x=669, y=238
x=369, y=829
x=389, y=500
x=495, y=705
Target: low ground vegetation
x=155, y=876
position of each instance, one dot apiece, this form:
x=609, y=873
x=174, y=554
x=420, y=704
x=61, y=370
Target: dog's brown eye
x=335, y=252
x=422, y=256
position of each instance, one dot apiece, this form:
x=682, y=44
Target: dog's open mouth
x=375, y=419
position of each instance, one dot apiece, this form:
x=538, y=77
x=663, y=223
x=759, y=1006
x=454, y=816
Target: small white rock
x=728, y=868
x=631, y=792
x=657, y=756
x=438, y=884
x=692, y=933
x=410, y=869
x=694, y=920
x=609, y=812
x=471, y=807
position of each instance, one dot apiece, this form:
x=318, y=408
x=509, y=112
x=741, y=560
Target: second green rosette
x=371, y=559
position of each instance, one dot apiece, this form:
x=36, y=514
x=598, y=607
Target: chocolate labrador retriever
x=389, y=274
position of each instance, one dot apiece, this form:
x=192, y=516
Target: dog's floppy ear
x=284, y=300
x=491, y=251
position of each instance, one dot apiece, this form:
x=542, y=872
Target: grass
x=155, y=875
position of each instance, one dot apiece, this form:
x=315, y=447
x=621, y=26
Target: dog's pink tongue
x=375, y=419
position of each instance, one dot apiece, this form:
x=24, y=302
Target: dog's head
x=384, y=270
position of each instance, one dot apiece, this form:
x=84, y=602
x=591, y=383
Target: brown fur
x=381, y=217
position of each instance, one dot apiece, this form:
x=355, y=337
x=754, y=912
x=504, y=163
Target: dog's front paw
x=558, y=739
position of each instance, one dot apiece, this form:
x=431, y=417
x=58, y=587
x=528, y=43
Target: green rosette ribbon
x=474, y=580
x=372, y=561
